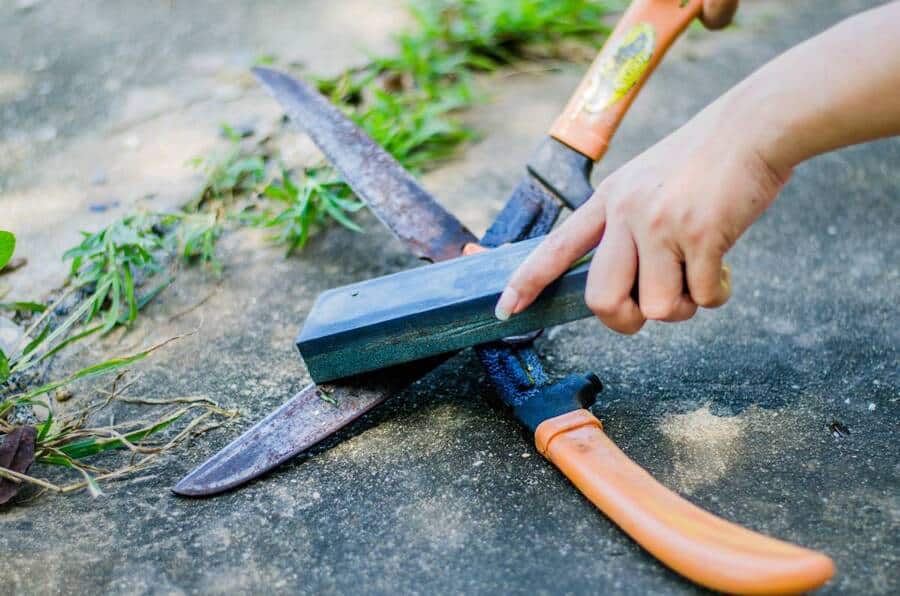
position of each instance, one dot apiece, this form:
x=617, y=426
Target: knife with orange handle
x=695, y=543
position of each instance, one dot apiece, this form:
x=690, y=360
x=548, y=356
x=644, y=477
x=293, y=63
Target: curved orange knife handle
x=627, y=59
x=700, y=546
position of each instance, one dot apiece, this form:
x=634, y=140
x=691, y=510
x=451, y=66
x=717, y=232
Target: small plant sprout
x=228, y=173
x=308, y=204
x=107, y=262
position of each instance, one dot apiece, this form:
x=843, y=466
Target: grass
x=229, y=172
x=408, y=102
x=418, y=132
x=107, y=261
x=307, y=205
x=70, y=440
x=103, y=262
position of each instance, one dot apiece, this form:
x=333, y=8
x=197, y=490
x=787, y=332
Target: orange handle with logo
x=700, y=546
x=627, y=59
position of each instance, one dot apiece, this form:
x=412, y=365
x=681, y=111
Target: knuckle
x=705, y=297
x=695, y=231
x=659, y=310
x=623, y=205
x=716, y=301
x=601, y=305
x=628, y=327
x=699, y=291
x=659, y=217
x=686, y=309
x=704, y=232
x=687, y=219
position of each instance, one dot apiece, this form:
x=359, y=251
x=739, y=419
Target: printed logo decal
x=623, y=62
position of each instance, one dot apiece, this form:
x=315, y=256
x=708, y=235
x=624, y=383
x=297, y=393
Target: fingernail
x=506, y=304
x=726, y=278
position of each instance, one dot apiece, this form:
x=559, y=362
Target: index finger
x=563, y=246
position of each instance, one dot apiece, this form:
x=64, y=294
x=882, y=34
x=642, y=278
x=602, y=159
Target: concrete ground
x=438, y=490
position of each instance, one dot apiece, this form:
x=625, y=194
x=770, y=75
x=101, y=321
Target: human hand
x=667, y=217
x=662, y=222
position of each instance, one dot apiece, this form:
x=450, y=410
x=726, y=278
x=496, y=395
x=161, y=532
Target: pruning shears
x=693, y=542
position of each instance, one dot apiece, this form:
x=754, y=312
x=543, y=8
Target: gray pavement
x=438, y=490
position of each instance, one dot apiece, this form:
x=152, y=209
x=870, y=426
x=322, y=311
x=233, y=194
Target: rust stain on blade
x=310, y=416
x=300, y=423
x=394, y=196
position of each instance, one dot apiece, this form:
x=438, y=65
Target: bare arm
x=837, y=89
x=683, y=203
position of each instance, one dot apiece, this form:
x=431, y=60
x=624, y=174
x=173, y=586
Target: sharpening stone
x=427, y=311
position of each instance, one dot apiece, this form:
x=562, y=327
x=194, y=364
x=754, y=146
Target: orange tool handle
x=700, y=546
x=627, y=59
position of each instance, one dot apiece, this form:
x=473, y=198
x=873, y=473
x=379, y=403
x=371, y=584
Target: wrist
x=765, y=127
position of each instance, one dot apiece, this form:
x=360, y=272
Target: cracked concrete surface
x=438, y=490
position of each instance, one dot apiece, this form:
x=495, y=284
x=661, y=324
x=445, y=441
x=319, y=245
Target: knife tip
x=187, y=488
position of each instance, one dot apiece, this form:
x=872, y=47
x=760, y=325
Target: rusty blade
x=297, y=425
x=412, y=214
x=310, y=416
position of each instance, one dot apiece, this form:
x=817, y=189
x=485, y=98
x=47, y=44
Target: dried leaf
x=16, y=454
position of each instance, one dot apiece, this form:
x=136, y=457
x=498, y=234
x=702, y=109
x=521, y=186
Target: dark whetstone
x=427, y=311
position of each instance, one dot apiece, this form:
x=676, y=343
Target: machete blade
x=300, y=423
x=411, y=213
x=311, y=415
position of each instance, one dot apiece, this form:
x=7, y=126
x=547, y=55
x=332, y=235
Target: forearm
x=839, y=88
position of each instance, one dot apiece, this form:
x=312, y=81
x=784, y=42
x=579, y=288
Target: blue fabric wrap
x=516, y=371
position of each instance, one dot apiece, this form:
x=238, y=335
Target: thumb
x=717, y=14
x=571, y=240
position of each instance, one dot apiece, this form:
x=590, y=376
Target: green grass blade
x=129, y=294
x=95, y=370
x=92, y=486
x=338, y=215
x=149, y=296
x=7, y=247
x=44, y=427
x=70, y=340
x=34, y=307
x=92, y=446
x=4, y=367
x=33, y=344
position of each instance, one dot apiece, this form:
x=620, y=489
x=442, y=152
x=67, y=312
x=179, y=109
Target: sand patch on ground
x=705, y=446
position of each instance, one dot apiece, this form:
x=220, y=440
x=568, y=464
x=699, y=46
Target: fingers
x=661, y=286
x=575, y=237
x=708, y=280
x=608, y=292
x=718, y=14
x=669, y=290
